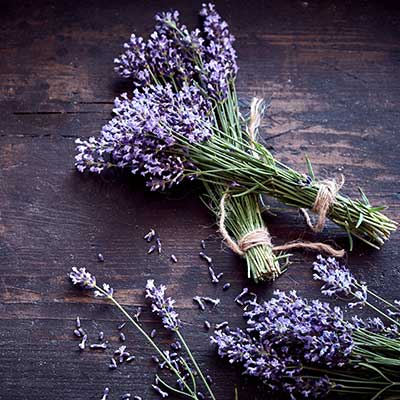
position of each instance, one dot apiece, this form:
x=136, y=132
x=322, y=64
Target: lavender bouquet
x=307, y=349
x=182, y=121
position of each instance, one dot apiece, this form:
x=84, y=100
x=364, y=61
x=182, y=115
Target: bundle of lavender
x=306, y=349
x=183, y=122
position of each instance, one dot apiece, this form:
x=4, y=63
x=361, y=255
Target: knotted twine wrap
x=326, y=196
x=324, y=200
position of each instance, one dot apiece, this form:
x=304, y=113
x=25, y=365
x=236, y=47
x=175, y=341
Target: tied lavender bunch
x=307, y=349
x=185, y=371
x=183, y=122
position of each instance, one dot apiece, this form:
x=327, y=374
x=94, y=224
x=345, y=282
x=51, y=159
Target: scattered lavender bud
x=121, y=326
x=122, y=337
x=78, y=322
x=159, y=246
x=207, y=325
x=159, y=391
x=112, y=364
x=173, y=258
x=205, y=257
x=221, y=325
x=220, y=275
x=240, y=295
x=155, y=359
x=98, y=346
x=105, y=393
x=200, y=396
x=100, y=257
x=214, y=278
x=151, y=249
x=137, y=313
x=153, y=333
x=120, y=350
x=77, y=333
x=203, y=244
x=212, y=301
x=176, y=345
x=209, y=379
x=137, y=398
x=199, y=301
x=125, y=396
x=130, y=359
x=101, y=335
x=226, y=286
x=82, y=332
x=82, y=344
x=150, y=235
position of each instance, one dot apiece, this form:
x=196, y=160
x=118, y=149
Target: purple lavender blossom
x=163, y=306
x=339, y=280
x=82, y=277
x=219, y=58
x=141, y=136
x=284, y=336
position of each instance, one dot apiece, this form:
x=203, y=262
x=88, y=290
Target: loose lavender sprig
x=339, y=281
x=163, y=307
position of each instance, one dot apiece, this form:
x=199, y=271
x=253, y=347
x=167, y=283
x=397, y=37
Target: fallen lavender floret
x=226, y=286
x=153, y=333
x=209, y=379
x=173, y=258
x=101, y=335
x=137, y=398
x=206, y=257
x=78, y=322
x=220, y=275
x=176, y=345
x=98, y=346
x=150, y=235
x=159, y=245
x=221, y=325
x=212, y=301
x=121, y=326
x=203, y=244
x=207, y=325
x=108, y=291
x=77, y=333
x=200, y=303
x=214, y=278
x=136, y=315
x=82, y=331
x=155, y=359
x=122, y=336
x=82, y=344
x=112, y=364
x=240, y=296
x=100, y=257
x=130, y=359
x=200, y=396
x=151, y=249
x=120, y=350
x=159, y=391
x=105, y=393
x=125, y=396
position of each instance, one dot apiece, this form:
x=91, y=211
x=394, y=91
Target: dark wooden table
x=331, y=71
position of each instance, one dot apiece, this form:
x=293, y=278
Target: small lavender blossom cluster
x=338, y=280
x=139, y=137
x=178, y=74
x=163, y=306
x=283, y=337
x=173, y=52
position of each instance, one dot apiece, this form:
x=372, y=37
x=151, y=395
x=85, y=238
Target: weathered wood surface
x=331, y=71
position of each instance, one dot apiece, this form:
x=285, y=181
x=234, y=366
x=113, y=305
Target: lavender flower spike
x=163, y=306
x=83, y=278
x=339, y=280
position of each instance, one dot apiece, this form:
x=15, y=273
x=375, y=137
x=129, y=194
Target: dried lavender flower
x=226, y=286
x=151, y=249
x=125, y=396
x=338, y=280
x=121, y=326
x=212, y=301
x=112, y=364
x=213, y=277
x=207, y=325
x=82, y=344
x=149, y=235
x=153, y=333
x=82, y=278
x=130, y=359
x=122, y=336
x=203, y=244
x=100, y=257
x=206, y=257
x=159, y=245
x=173, y=258
x=105, y=393
x=199, y=301
x=221, y=325
x=108, y=291
x=77, y=333
x=159, y=391
x=101, y=335
x=78, y=322
x=163, y=306
x=98, y=346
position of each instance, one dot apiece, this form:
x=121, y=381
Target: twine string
x=326, y=197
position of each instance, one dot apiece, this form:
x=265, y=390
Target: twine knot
x=324, y=200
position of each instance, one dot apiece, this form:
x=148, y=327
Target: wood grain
x=330, y=70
